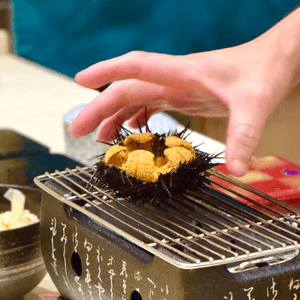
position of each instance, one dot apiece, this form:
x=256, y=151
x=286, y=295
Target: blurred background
x=68, y=36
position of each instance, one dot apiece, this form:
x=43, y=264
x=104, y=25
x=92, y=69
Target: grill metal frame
x=205, y=228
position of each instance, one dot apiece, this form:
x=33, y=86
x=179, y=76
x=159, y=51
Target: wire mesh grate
x=211, y=225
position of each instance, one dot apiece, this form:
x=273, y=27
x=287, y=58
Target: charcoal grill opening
x=135, y=295
x=210, y=225
x=76, y=264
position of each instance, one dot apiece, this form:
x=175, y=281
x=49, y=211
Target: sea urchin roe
x=138, y=157
x=174, y=141
x=116, y=155
x=140, y=164
x=139, y=141
x=177, y=156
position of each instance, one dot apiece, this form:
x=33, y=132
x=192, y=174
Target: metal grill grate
x=204, y=227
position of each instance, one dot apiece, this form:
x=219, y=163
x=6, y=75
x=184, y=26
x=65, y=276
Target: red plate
x=274, y=176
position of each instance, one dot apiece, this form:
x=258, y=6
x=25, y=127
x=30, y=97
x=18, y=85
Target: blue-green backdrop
x=70, y=35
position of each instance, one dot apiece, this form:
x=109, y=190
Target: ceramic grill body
x=205, y=245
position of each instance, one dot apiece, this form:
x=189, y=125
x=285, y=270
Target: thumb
x=244, y=131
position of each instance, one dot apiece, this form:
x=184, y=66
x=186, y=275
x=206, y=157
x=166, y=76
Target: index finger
x=152, y=67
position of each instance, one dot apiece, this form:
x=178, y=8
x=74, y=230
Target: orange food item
x=116, y=155
x=138, y=157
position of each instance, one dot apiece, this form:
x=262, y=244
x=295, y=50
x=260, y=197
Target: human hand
x=246, y=82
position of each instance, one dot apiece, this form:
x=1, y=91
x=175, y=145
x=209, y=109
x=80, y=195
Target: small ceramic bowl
x=21, y=263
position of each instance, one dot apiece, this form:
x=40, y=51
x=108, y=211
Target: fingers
x=244, y=131
x=123, y=94
x=109, y=126
x=141, y=117
x=152, y=67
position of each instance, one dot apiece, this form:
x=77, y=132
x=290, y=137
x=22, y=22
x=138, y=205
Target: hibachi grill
x=212, y=242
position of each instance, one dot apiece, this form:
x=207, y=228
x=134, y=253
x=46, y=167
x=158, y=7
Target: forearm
x=284, y=41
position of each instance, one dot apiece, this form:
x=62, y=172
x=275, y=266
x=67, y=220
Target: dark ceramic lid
x=13, y=144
